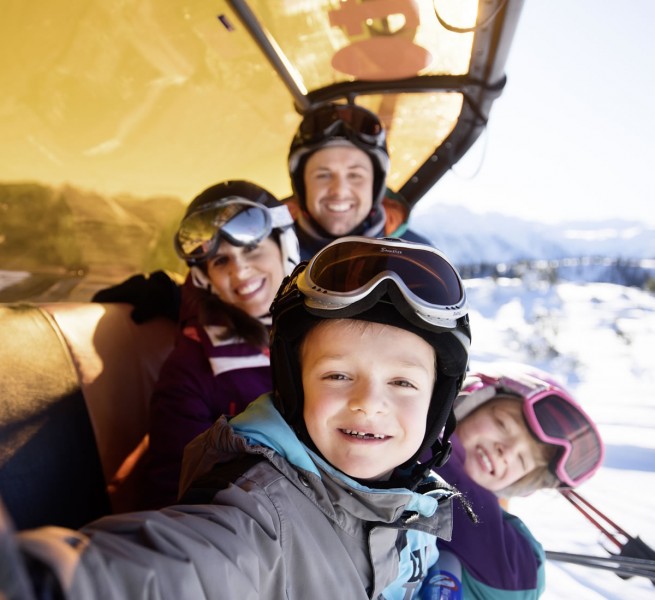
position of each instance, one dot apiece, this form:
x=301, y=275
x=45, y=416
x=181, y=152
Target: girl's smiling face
x=499, y=448
x=367, y=392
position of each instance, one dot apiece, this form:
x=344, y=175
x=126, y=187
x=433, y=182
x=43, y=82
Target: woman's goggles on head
x=351, y=268
x=236, y=220
x=555, y=418
x=336, y=120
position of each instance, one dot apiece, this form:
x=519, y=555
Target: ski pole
x=633, y=547
x=597, y=518
x=620, y=565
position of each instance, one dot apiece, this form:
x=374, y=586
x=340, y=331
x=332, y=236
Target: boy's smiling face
x=367, y=392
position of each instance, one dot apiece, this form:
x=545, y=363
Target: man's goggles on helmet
x=555, y=418
x=352, y=268
x=334, y=120
x=236, y=220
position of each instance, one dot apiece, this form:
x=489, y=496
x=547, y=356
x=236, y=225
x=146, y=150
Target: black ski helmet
x=294, y=314
x=332, y=124
x=239, y=195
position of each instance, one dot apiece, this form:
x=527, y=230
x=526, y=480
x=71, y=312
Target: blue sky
x=573, y=134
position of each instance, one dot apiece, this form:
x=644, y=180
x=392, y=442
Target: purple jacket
x=498, y=554
x=202, y=379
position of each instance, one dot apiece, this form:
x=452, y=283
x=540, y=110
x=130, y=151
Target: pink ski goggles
x=555, y=418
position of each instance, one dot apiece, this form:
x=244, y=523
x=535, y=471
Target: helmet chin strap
x=290, y=250
x=414, y=474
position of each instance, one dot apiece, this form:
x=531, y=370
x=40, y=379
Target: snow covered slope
x=600, y=340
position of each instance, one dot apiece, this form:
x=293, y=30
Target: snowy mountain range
x=466, y=237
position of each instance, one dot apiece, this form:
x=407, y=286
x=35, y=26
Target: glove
x=154, y=295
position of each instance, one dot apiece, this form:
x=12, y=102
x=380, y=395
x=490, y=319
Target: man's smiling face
x=339, y=188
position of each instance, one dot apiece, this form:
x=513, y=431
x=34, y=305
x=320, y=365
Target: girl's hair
x=213, y=311
x=538, y=479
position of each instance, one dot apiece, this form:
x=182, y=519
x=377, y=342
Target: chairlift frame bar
x=272, y=51
x=480, y=88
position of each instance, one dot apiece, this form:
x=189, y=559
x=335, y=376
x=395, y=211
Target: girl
x=518, y=431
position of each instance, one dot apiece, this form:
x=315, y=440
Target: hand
x=153, y=295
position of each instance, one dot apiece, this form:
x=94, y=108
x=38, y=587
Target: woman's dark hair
x=213, y=311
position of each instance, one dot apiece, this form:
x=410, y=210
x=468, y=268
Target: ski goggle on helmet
x=551, y=414
x=237, y=220
x=349, y=120
x=354, y=270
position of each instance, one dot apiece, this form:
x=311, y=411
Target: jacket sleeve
x=180, y=409
x=226, y=550
x=499, y=551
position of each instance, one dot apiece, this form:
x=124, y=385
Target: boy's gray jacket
x=275, y=522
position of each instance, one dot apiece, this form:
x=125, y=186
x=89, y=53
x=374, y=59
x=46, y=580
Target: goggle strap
x=474, y=398
x=280, y=216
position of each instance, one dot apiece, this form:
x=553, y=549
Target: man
x=338, y=164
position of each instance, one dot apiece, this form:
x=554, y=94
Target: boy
x=317, y=491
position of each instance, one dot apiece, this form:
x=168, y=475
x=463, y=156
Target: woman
x=239, y=243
